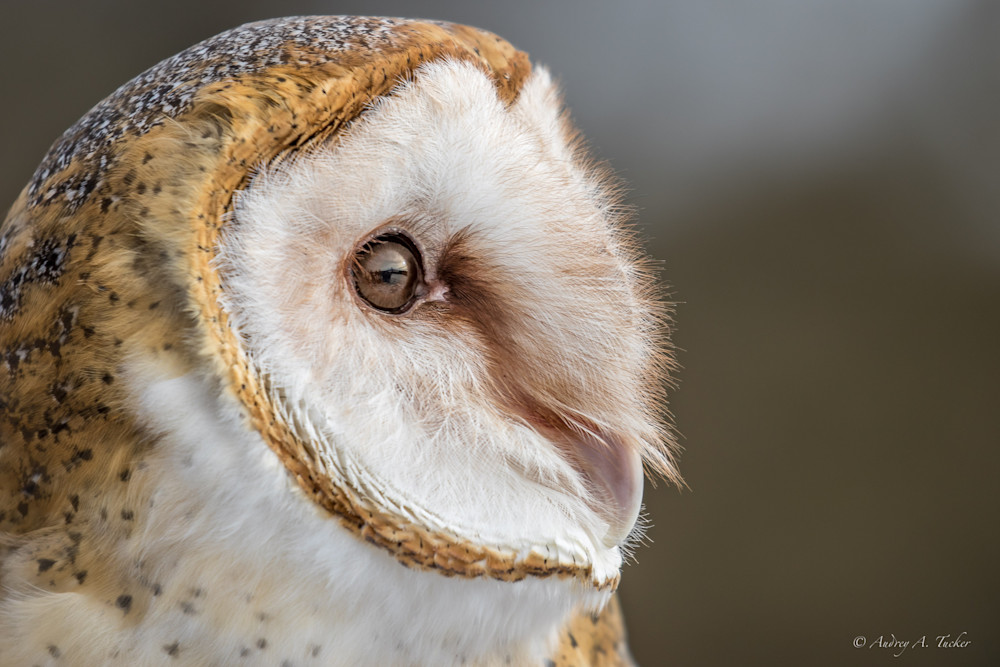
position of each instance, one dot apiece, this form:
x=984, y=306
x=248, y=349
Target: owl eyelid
x=380, y=234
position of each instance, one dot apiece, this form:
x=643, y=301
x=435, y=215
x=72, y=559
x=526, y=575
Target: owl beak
x=609, y=464
x=613, y=471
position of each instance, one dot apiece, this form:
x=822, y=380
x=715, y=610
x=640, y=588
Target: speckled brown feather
x=594, y=639
x=108, y=253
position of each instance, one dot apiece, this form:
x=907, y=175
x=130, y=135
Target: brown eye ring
x=387, y=272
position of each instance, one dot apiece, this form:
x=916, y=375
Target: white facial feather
x=405, y=405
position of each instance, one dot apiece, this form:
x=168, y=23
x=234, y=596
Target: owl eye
x=387, y=272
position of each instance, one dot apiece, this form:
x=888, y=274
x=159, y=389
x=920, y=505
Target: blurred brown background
x=820, y=181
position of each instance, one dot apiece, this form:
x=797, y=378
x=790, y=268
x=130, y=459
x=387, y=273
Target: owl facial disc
x=444, y=391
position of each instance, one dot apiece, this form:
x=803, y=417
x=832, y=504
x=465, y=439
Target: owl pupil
x=386, y=272
x=393, y=275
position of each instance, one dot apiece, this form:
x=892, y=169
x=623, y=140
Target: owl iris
x=386, y=273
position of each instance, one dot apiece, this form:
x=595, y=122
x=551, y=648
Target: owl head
x=348, y=275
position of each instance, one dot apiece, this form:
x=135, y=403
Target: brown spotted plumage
x=109, y=265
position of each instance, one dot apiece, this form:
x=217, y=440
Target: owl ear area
x=387, y=273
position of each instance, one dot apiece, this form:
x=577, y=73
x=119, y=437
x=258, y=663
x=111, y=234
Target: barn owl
x=324, y=344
